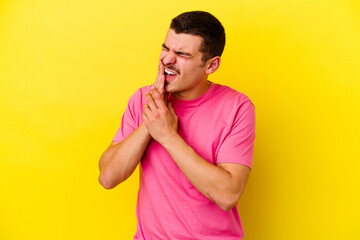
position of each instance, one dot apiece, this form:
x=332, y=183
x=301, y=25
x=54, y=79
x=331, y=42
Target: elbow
x=227, y=206
x=228, y=203
x=105, y=182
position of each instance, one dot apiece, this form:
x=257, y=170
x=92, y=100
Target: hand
x=160, y=79
x=159, y=117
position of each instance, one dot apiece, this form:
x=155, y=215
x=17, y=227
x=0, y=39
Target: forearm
x=119, y=161
x=212, y=181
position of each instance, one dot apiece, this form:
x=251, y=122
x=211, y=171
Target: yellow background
x=67, y=69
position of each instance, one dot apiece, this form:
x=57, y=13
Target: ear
x=212, y=64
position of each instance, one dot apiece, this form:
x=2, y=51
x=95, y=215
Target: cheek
x=193, y=71
x=162, y=55
x=185, y=66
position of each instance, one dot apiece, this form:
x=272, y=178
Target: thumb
x=171, y=108
x=166, y=97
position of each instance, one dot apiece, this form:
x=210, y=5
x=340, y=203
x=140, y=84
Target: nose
x=169, y=58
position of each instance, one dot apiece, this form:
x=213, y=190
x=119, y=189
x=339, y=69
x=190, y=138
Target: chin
x=168, y=88
x=172, y=88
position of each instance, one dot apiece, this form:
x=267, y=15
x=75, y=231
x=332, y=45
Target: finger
x=145, y=120
x=147, y=110
x=150, y=101
x=172, y=110
x=161, y=82
x=156, y=83
x=158, y=98
x=153, y=85
x=165, y=97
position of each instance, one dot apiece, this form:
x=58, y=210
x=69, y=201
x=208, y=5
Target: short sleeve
x=238, y=145
x=129, y=118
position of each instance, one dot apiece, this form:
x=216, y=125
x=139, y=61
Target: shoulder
x=141, y=91
x=238, y=109
x=139, y=94
x=231, y=96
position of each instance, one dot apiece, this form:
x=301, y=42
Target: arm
x=119, y=160
x=222, y=183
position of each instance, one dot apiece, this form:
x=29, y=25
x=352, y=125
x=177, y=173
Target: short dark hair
x=205, y=25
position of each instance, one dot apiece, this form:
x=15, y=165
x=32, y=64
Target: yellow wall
x=68, y=67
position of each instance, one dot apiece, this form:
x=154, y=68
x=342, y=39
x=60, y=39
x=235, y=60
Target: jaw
x=187, y=91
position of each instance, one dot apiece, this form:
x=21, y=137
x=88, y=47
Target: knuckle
x=155, y=92
x=165, y=110
x=156, y=115
x=157, y=96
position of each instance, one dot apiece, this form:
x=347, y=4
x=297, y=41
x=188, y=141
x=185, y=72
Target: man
x=193, y=140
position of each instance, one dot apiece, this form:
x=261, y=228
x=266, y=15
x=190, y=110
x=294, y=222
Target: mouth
x=170, y=75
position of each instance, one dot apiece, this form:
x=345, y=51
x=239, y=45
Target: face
x=185, y=72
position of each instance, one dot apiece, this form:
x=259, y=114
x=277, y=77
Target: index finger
x=161, y=82
x=158, y=98
x=158, y=76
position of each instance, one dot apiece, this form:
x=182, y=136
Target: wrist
x=171, y=140
x=143, y=129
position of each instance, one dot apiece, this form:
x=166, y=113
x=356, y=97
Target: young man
x=193, y=139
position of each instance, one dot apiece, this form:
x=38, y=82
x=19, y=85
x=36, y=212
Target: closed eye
x=163, y=46
x=184, y=54
x=180, y=53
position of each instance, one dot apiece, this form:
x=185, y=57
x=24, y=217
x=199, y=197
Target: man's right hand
x=160, y=79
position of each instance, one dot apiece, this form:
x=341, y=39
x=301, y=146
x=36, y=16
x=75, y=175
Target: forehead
x=183, y=42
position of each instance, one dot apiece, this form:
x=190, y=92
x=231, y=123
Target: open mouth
x=169, y=75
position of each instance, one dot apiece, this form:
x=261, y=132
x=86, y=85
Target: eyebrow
x=177, y=52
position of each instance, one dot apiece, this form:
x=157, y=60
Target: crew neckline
x=194, y=102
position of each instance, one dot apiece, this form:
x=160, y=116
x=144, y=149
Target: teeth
x=168, y=72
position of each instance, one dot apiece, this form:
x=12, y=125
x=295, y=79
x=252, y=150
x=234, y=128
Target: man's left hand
x=159, y=117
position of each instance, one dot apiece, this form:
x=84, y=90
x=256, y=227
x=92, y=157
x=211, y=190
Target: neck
x=193, y=93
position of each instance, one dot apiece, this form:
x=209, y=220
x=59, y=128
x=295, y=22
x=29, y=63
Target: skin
x=222, y=183
x=180, y=53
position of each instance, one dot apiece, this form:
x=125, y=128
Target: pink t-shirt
x=220, y=127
